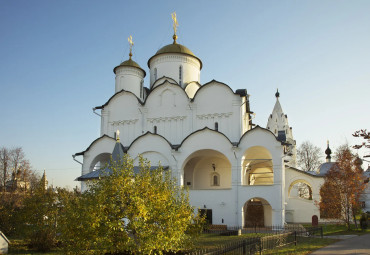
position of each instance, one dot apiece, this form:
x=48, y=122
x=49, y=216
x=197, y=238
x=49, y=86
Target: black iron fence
x=256, y=245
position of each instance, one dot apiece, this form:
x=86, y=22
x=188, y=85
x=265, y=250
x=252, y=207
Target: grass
x=207, y=241
x=19, y=246
x=341, y=229
x=305, y=246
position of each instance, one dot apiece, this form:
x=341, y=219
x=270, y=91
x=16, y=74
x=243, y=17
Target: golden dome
x=129, y=63
x=175, y=48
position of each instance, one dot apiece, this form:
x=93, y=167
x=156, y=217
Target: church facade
x=238, y=173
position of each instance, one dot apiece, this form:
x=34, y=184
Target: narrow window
x=141, y=89
x=180, y=75
x=215, y=180
x=216, y=126
x=155, y=129
x=155, y=74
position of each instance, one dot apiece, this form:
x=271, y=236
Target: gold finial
x=131, y=44
x=175, y=25
x=117, y=136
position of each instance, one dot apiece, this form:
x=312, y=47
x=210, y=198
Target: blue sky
x=57, y=57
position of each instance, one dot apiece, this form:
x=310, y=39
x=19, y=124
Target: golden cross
x=175, y=24
x=131, y=44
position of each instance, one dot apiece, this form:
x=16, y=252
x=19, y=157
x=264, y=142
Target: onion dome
x=177, y=49
x=129, y=63
x=328, y=153
x=277, y=94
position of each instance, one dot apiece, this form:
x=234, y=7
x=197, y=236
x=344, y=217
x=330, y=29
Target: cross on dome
x=175, y=25
x=131, y=44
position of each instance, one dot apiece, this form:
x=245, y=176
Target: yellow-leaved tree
x=130, y=213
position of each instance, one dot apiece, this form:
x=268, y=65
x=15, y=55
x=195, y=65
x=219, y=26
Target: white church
x=238, y=173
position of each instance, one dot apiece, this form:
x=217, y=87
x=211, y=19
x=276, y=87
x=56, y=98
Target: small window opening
x=215, y=180
x=180, y=75
x=216, y=126
x=141, y=89
x=155, y=74
x=155, y=129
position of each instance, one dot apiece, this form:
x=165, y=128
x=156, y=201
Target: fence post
x=295, y=237
x=260, y=243
x=244, y=247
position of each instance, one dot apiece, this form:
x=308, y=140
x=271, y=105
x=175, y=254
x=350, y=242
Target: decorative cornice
x=160, y=119
x=166, y=58
x=130, y=70
x=123, y=122
x=213, y=115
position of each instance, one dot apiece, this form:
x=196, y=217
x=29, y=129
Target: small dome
x=129, y=63
x=328, y=151
x=175, y=48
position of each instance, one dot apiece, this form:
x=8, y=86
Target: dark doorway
x=208, y=215
x=254, y=214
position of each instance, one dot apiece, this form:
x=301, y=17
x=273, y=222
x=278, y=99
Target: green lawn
x=305, y=246
x=207, y=241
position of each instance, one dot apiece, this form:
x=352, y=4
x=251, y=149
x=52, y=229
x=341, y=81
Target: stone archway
x=100, y=161
x=300, y=189
x=207, y=169
x=257, y=166
x=257, y=213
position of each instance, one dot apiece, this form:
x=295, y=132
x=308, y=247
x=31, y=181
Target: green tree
x=142, y=213
x=343, y=188
x=38, y=217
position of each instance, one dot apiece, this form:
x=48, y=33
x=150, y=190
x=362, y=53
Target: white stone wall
x=129, y=79
x=299, y=209
x=173, y=113
x=168, y=65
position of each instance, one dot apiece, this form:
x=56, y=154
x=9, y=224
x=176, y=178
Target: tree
x=309, y=156
x=38, y=218
x=363, y=133
x=343, y=187
x=143, y=213
x=16, y=168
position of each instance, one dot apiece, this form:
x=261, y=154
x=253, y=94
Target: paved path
x=350, y=245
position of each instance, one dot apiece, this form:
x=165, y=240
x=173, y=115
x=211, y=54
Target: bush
x=42, y=240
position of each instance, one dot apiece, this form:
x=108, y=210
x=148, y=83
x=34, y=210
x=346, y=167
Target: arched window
x=155, y=74
x=215, y=181
x=216, y=126
x=180, y=75
x=155, y=129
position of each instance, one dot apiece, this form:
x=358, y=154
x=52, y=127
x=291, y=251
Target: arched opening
x=207, y=169
x=100, y=161
x=257, y=213
x=300, y=189
x=257, y=167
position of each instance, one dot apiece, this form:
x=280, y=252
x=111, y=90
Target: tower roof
x=175, y=48
x=129, y=63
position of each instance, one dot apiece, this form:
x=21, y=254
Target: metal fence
x=256, y=245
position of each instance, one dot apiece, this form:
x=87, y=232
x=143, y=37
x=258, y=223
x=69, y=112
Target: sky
x=57, y=60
